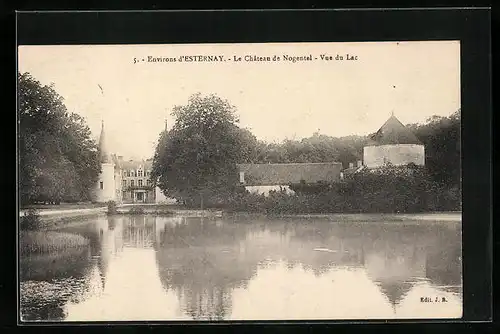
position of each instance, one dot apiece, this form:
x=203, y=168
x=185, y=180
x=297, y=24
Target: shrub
x=388, y=190
x=136, y=211
x=164, y=212
x=112, y=207
x=31, y=221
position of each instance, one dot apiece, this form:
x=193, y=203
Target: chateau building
x=124, y=181
x=130, y=181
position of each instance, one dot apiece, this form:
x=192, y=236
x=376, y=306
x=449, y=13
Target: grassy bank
x=36, y=236
x=64, y=206
x=41, y=242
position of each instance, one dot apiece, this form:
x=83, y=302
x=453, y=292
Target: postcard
x=237, y=181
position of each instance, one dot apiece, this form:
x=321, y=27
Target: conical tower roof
x=393, y=132
x=104, y=155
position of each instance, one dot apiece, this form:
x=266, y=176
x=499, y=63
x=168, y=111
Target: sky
x=275, y=100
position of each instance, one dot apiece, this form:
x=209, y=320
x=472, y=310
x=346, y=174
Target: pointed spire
x=103, y=148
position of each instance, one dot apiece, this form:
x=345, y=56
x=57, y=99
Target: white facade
x=396, y=154
x=266, y=189
x=105, y=188
x=160, y=198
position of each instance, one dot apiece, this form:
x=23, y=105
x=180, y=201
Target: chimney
x=120, y=158
x=351, y=164
x=360, y=163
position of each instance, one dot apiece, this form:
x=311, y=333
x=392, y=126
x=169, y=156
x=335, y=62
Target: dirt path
x=51, y=212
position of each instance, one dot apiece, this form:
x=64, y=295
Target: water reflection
x=157, y=268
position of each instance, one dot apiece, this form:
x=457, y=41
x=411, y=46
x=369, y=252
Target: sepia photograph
x=239, y=181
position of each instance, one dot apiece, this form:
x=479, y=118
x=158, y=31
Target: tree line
x=58, y=159
x=197, y=159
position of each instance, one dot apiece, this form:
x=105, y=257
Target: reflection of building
x=394, y=261
x=139, y=231
x=204, y=260
x=124, y=181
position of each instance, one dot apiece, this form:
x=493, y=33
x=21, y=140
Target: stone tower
x=105, y=189
x=393, y=143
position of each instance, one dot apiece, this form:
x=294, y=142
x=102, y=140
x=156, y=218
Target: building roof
x=393, y=132
x=134, y=164
x=283, y=174
x=104, y=154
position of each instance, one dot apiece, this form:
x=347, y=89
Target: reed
x=49, y=241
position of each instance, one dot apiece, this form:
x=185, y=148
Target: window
x=124, y=183
x=139, y=183
x=124, y=173
x=148, y=173
x=101, y=185
x=131, y=183
x=139, y=173
x=149, y=182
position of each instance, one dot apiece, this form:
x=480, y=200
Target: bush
x=388, y=190
x=136, y=211
x=164, y=212
x=112, y=207
x=31, y=221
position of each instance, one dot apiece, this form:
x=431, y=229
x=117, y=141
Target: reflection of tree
x=203, y=262
x=394, y=257
x=320, y=246
x=51, y=311
x=397, y=255
x=70, y=274
x=444, y=265
x=48, y=267
x=50, y=281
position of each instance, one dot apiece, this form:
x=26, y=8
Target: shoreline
x=445, y=216
x=60, y=218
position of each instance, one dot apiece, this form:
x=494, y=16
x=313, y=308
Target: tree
x=58, y=159
x=197, y=158
x=441, y=137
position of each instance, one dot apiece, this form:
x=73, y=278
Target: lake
x=179, y=268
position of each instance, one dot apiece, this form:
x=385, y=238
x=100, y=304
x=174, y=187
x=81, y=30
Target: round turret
x=393, y=144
